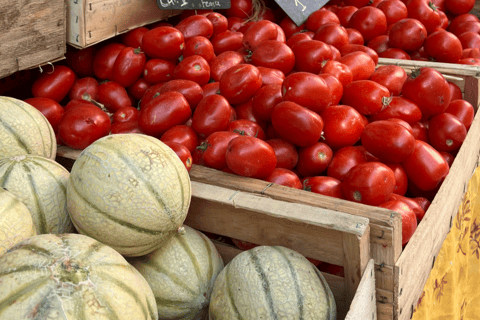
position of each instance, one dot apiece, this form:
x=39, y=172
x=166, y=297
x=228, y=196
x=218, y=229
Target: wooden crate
x=92, y=21
x=400, y=275
x=32, y=34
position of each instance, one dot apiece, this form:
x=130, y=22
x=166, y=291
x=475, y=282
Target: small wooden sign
x=299, y=10
x=193, y=4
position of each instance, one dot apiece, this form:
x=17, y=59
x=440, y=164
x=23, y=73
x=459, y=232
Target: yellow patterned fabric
x=452, y=290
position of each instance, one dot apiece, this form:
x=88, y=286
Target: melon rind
x=70, y=277
x=24, y=130
x=129, y=191
x=41, y=184
x=181, y=275
x=271, y=282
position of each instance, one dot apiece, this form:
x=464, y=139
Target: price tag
x=193, y=4
x=299, y=10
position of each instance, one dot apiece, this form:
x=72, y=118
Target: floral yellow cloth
x=452, y=290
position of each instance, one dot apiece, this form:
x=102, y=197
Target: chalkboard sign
x=299, y=10
x=193, y=4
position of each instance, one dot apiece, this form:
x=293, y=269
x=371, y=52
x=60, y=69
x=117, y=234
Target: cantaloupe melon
x=181, y=274
x=129, y=191
x=16, y=223
x=24, y=130
x=70, y=277
x=271, y=282
x=41, y=184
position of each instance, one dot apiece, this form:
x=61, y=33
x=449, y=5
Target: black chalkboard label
x=193, y=4
x=299, y=10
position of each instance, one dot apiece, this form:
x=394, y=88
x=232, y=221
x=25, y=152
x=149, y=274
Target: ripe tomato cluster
x=302, y=106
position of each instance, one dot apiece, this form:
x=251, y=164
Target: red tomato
x=271, y=76
x=219, y=22
x=345, y=13
x=327, y=186
x=401, y=179
x=425, y=12
x=310, y=54
x=369, y=183
x=195, y=25
x=138, y=89
x=354, y=36
x=423, y=202
x=289, y=27
x=246, y=127
x=319, y=18
x=181, y=134
x=211, y=88
x=333, y=34
x=314, y=160
x=227, y=41
x=275, y=55
x=284, y=177
x=163, y=43
x=448, y=157
x=163, y=112
x=82, y=125
x=54, y=85
x=457, y=27
x=213, y=113
x=51, y=109
x=200, y=46
x=394, y=10
x=259, y=32
x=183, y=153
x=463, y=110
x=239, y=8
x=469, y=40
x=113, y=96
x=81, y=61
x=128, y=66
x=308, y=90
x=299, y=37
x=243, y=245
x=390, y=76
x=125, y=127
x=366, y=96
x=417, y=209
x=379, y=43
x=214, y=148
x=286, y=153
x=407, y=34
x=194, y=68
x=265, y=100
x=339, y=70
x=104, y=60
x=133, y=38
x=191, y=90
x=349, y=48
x=343, y=126
x=126, y=114
x=343, y=160
x=87, y=86
x=223, y=62
x=388, y=141
x=427, y=88
x=336, y=88
x=425, y=167
x=459, y=7
x=239, y=83
x=296, y=124
x=250, y=157
x=158, y=70
x=443, y=46
x=420, y=131
x=401, y=108
x=409, y=220
x=446, y=132
x=245, y=111
x=370, y=21
x=360, y=63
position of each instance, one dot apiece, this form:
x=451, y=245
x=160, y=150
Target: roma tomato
x=126, y=114
x=401, y=179
x=394, y=53
x=165, y=111
x=333, y=34
x=191, y=90
x=443, y=46
x=407, y=34
x=339, y=70
x=328, y=186
x=336, y=88
x=345, y=13
x=394, y=10
x=265, y=100
x=284, y=177
x=213, y=113
x=401, y=108
x=227, y=41
x=425, y=12
x=128, y=66
x=463, y=110
x=343, y=126
x=211, y=88
x=259, y=32
x=271, y=76
x=319, y=18
x=417, y=209
x=420, y=131
x=163, y=43
x=379, y=43
x=446, y=132
x=195, y=25
x=244, y=111
x=82, y=125
x=183, y=154
x=314, y=160
x=194, y=68
x=81, y=61
x=125, y=127
x=250, y=157
x=425, y=167
x=239, y=83
x=448, y=157
x=138, y=89
x=350, y=47
x=308, y=90
x=113, y=96
x=299, y=37
x=355, y=37
x=409, y=220
x=310, y=54
x=390, y=76
x=158, y=70
x=286, y=153
x=200, y=46
x=243, y=245
x=369, y=183
x=289, y=27
x=239, y=8
x=370, y=21
x=388, y=141
x=182, y=134
x=104, y=60
x=51, y=109
x=360, y=63
x=133, y=38
x=366, y=96
x=223, y=62
x=219, y=22
x=247, y=128
x=459, y=7
x=214, y=148
x=343, y=160
x=54, y=85
x=296, y=124
x=87, y=86
x=274, y=54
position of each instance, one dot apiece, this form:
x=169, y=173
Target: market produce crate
x=400, y=274
x=92, y=21
x=32, y=34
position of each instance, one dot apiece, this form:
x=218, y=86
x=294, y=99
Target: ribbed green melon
x=24, y=130
x=181, y=275
x=41, y=184
x=16, y=223
x=70, y=277
x=129, y=191
x=271, y=282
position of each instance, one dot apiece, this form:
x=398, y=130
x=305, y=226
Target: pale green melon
x=41, y=184
x=129, y=191
x=181, y=274
x=24, y=130
x=271, y=282
x=70, y=277
x=16, y=223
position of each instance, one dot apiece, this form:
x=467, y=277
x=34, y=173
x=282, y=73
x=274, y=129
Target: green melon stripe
x=230, y=293
x=24, y=268
x=210, y=257
x=112, y=314
x=194, y=260
x=24, y=291
x=114, y=219
x=126, y=289
x=6, y=173
x=265, y=284
x=330, y=315
x=48, y=171
x=42, y=227
x=151, y=310
x=175, y=279
x=139, y=174
x=298, y=292
x=36, y=249
x=172, y=303
x=20, y=142
x=93, y=248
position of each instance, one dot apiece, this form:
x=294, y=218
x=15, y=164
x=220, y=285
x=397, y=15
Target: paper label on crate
x=193, y=4
x=299, y=10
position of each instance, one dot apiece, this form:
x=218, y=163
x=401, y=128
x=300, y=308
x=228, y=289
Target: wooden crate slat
x=356, y=250
x=363, y=306
x=448, y=68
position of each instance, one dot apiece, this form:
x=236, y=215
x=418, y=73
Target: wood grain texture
x=364, y=306
x=32, y=33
